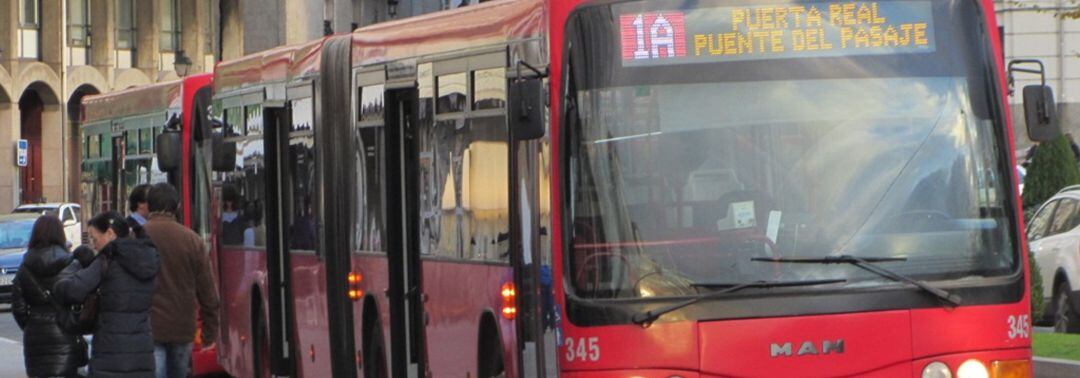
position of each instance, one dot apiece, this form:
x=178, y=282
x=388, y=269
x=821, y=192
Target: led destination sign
x=710, y=35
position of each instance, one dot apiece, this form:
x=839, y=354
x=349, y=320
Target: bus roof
x=478, y=25
x=132, y=101
x=275, y=65
x=143, y=99
x=486, y=24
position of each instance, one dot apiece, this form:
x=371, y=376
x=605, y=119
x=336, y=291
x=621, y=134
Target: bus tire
x=260, y=343
x=490, y=362
x=375, y=354
x=1066, y=320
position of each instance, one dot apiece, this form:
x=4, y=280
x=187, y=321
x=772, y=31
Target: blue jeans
x=172, y=360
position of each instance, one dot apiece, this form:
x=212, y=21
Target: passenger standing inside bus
x=139, y=209
x=124, y=271
x=185, y=281
x=48, y=351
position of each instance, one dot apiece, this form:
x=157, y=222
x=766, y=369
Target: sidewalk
x=11, y=358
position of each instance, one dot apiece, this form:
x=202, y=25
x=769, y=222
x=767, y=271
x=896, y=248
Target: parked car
x=1054, y=238
x=14, y=236
x=70, y=215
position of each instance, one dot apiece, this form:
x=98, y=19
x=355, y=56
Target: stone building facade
x=55, y=52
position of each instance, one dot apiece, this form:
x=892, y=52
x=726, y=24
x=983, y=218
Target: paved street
x=11, y=360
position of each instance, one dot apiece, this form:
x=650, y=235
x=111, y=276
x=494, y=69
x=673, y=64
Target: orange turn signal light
x=1011, y=369
x=509, y=296
x=354, y=279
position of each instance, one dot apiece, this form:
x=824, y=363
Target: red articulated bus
x=138, y=136
x=656, y=188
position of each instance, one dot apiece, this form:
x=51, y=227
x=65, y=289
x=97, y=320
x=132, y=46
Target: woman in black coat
x=48, y=351
x=124, y=270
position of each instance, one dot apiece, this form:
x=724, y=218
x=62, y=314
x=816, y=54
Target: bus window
x=440, y=182
x=451, y=93
x=243, y=195
x=254, y=122
x=368, y=228
x=234, y=119
x=300, y=182
x=146, y=138
x=371, y=102
x=484, y=192
x=131, y=141
x=489, y=89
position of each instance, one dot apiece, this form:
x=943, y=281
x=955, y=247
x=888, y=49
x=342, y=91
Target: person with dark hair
x=123, y=274
x=233, y=224
x=184, y=285
x=48, y=351
x=139, y=209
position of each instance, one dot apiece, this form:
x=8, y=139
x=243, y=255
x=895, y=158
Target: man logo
x=807, y=348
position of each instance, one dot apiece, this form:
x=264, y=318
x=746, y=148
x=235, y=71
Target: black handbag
x=75, y=319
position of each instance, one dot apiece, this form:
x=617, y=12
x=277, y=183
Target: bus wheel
x=375, y=355
x=491, y=361
x=1065, y=320
x=260, y=345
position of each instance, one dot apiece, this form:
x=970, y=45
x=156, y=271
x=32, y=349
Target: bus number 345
x=583, y=349
x=1019, y=326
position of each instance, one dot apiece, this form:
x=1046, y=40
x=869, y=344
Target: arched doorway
x=31, y=108
x=38, y=125
x=75, y=153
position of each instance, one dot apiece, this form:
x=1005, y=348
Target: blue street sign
x=23, y=152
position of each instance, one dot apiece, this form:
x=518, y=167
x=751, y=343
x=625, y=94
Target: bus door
x=301, y=203
x=278, y=325
x=407, y=351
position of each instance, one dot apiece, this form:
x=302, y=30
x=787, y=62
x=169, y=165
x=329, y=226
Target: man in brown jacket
x=184, y=278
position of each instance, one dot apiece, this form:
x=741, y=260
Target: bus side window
x=301, y=204
x=243, y=190
x=368, y=227
x=485, y=191
x=485, y=169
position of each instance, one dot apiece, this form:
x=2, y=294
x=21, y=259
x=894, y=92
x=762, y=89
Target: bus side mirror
x=168, y=150
x=1040, y=113
x=224, y=154
x=527, y=109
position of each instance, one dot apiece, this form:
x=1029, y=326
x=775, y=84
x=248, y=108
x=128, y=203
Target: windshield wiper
x=646, y=318
x=867, y=264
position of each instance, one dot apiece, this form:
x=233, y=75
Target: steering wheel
x=594, y=258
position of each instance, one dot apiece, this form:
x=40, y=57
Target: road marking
x=9, y=341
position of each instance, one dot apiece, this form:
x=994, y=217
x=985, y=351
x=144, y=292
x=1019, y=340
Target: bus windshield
x=692, y=151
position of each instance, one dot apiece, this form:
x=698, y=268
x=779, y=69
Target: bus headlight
x=936, y=370
x=972, y=369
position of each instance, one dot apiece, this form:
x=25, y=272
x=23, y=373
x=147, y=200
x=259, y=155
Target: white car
x=70, y=215
x=1054, y=238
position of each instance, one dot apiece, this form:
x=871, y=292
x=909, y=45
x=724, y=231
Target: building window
x=79, y=23
x=208, y=28
x=29, y=29
x=170, y=25
x=125, y=33
x=125, y=24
